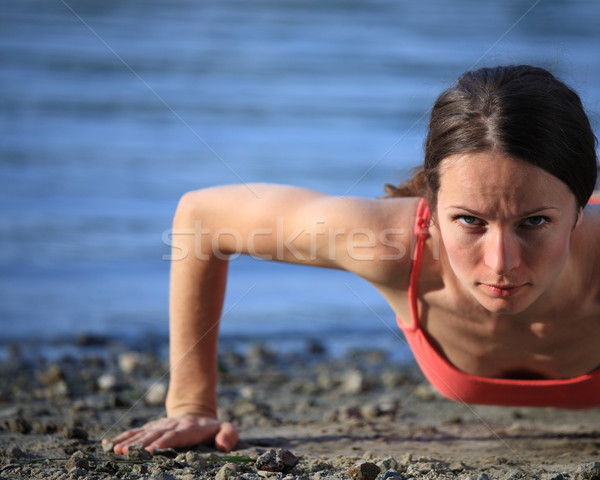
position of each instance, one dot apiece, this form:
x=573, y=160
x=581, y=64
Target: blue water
x=111, y=110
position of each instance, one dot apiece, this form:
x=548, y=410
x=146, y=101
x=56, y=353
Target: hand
x=178, y=431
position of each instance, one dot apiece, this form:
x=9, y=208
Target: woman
x=488, y=256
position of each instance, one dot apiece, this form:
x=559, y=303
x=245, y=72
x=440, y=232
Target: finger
x=227, y=437
x=144, y=438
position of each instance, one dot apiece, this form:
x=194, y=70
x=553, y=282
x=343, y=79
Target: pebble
x=393, y=378
x=156, y=394
x=16, y=452
x=364, y=471
x=370, y=410
x=108, y=447
x=279, y=460
x=588, y=471
x=107, y=382
x=138, y=452
x=388, y=463
x=425, y=392
x=393, y=475
x=78, y=460
x=160, y=475
x=354, y=382
x=19, y=425
x=195, y=460
x=77, y=472
x=53, y=375
x=45, y=427
x=272, y=475
x=227, y=472
x=128, y=362
x=108, y=467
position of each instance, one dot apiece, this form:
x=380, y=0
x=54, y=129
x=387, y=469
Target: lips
x=502, y=291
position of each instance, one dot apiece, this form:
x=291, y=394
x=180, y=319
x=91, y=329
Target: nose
x=502, y=252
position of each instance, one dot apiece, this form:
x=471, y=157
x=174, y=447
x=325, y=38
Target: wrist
x=176, y=409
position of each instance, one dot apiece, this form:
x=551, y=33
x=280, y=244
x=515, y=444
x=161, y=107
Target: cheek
x=548, y=255
x=462, y=254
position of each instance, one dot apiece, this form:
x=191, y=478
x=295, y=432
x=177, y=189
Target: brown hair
x=520, y=110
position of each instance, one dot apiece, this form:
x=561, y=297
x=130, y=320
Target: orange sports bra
x=573, y=393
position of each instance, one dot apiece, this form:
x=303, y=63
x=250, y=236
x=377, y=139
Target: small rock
x=156, y=394
x=271, y=475
x=346, y=413
x=19, y=425
x=141, y=469
x=279, y=460
x=354, y=382
x=425, y=392
x=108, y=447
x=456, y=467
x=128, y=362
x=78, y=472
x=393, y=475
x=108, y=467
x=45, y=427
x=483, y=476
x=555, y=476
x=258, y=355
x=59, y=389
x=588, y=471
x=393, y=378
x=53, y=375
x=138, y=452
x=160, y=475
x=107, y=382
x=78, y=460
x=195, y=460
x=370, y=411
x=364, y=471
x=388, y=463
x=16, y=452
x=226, y=472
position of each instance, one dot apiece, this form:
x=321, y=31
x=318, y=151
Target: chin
x=504, y=306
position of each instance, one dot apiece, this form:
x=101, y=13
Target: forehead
x=495, y=178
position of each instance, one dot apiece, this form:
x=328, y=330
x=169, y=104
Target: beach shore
x=300, y=415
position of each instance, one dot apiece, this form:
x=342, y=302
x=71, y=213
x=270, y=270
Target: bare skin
x=510, y=256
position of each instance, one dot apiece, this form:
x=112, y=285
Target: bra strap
x=421, y=231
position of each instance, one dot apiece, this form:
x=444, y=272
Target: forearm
x=196, y=297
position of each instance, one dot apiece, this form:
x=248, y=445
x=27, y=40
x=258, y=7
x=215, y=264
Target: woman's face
x=505, y=225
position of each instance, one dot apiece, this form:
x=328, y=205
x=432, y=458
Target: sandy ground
x=357, y=417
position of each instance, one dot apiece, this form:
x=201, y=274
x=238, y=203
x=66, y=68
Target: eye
x=536, y=221
x=467, y=220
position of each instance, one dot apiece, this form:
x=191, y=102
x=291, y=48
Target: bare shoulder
x=370, y=237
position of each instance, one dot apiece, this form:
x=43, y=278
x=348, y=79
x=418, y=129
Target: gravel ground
x=301, y=416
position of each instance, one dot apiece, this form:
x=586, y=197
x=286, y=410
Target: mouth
x=502, y=291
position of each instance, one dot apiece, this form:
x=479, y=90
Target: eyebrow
x=528, y=213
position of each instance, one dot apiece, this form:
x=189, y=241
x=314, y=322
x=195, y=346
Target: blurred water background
x=111, y=110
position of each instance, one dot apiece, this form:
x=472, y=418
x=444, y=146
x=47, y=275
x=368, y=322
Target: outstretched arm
x=275, y=222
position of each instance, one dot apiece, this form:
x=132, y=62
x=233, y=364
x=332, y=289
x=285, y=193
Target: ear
x=579, y=217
